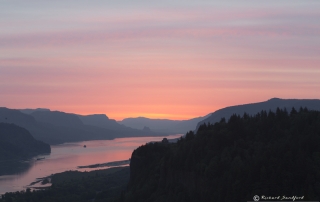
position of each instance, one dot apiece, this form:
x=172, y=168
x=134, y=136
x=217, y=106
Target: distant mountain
x=102, y=121
x=56, y=127
x=53, y=127
x=58, y=118
x=29, y=111
x=251, y=109
x=163, y=125
x=43, y=132
x=17, y=143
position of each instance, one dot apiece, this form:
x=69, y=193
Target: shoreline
x=47, y=180
x=108, y=164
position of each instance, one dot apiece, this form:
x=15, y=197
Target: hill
x=44, y=128
x=102, y=121
x=17, y=143
x=91, y=127
x=270, y=153
x=254, y=108
x=58, y=118
x=54, y=127
x=44, y=132
x=29, y=111
x=163, y=125
x=266, y=154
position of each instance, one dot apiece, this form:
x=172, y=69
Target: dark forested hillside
x=74, y=186
x=254, y=108
x=17, y=143
x=270, y=153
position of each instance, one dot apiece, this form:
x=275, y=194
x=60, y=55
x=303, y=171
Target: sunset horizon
x=177, y=117
x=159, y=101
x=175, y=60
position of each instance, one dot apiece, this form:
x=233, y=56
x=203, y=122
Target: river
x=69, y=156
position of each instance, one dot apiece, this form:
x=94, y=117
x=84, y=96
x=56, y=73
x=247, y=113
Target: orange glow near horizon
x=169, y=61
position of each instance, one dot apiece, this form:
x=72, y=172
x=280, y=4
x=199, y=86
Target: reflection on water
x=69, y=156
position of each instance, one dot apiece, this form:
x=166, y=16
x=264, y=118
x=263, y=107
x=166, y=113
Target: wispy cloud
x=183, y=58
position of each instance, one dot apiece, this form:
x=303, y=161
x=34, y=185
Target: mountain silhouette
x=29, y=111
x=17, y=143
x=58, y=118
x=17, y=146
x=54, y=127
x=102, y=121
x=163, y=125
x=251, y=109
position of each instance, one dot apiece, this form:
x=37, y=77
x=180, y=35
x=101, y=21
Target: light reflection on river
x=70, y=155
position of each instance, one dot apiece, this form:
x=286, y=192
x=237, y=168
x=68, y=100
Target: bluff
x=269, y=153
x=16, y=143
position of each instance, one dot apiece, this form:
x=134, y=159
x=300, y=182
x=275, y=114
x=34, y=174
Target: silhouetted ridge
x=274, y=99
x=15, y=116
x=163, y=125
x=269, y=153
x=102, y=121
x=254, y=108
x=29, y=111
x=17, y=143
x=56, y=127
x=57, y=118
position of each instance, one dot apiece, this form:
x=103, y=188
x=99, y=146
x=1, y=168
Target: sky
x=158, y=59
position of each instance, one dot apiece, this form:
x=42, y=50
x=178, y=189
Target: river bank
x=69, y=156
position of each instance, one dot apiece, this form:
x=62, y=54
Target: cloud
x=194, y=24
x=159, y=59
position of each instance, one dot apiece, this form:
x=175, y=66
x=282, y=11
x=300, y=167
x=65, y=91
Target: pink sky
x=162, y=60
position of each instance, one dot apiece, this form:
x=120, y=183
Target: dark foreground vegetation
x=74, y=186
x=270, y=154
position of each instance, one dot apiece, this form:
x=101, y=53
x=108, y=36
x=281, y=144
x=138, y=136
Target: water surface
x=69, y=156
